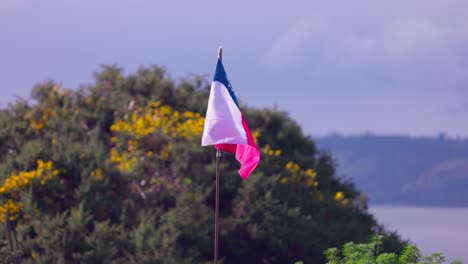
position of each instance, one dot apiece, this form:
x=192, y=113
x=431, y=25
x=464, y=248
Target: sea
x=432, y=229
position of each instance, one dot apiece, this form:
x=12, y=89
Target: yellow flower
x=310, y=173
x=97, y=174
x=165, y=152
x=146, y=120
x=10, y=210
x=139, y=122
x=256, y=135
x=15, y=182
x=339, y=196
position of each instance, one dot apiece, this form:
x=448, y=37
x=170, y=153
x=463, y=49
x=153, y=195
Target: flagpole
x=218, y=157
x=216, y=220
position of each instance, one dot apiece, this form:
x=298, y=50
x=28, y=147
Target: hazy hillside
x=403, y=170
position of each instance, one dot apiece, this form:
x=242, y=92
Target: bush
x=113, y=172
x=353, y=253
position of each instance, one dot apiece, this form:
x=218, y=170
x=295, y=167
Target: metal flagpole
x=218, y=157
x=216, y=220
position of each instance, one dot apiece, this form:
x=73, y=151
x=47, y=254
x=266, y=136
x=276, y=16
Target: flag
x=225, y=126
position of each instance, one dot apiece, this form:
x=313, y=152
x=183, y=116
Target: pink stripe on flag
x=248, y=155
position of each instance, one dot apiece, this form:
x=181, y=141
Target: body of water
x=441, y=230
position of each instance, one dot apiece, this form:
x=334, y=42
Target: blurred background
x=381, y=86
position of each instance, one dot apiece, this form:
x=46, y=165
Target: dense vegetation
x=113, y=172
x=430, y=171
x=370, y=253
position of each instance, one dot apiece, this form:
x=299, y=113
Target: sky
x=384, y=67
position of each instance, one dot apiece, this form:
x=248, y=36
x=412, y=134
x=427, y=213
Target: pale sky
x=386, y=67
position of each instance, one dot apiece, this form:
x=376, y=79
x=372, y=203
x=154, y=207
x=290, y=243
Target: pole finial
x=220, y=52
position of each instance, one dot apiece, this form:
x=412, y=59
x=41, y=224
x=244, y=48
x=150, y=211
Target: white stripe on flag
x=223, y=120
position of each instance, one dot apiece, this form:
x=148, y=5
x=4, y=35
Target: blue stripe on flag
x=221, y=76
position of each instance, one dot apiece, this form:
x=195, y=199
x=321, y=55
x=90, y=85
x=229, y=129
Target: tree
x=368, y=253
x=113, y=172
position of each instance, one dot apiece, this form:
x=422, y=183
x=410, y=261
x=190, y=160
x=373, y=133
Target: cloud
x=408, y=45
x=384, y=66
x=289, y=49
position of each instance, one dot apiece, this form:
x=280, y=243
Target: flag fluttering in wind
x=225, y=126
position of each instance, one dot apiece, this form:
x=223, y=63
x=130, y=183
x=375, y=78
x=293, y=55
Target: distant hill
x=400, y=170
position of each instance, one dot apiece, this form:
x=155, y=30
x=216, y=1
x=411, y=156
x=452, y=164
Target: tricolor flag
x=225, y=126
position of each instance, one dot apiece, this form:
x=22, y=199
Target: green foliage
x=129, y=182
x=368, y=253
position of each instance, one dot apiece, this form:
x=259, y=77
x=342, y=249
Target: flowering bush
x=113, y=172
